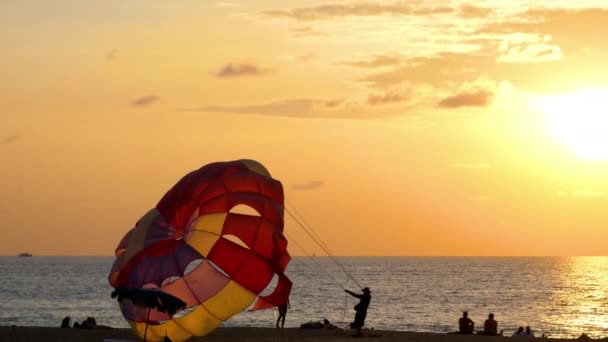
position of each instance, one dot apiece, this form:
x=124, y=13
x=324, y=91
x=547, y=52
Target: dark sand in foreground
x=31, y=334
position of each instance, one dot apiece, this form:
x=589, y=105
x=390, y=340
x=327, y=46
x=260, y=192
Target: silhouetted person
x=360, y=309
x=519, y=332
x=529, y=332
x=490, y=326
x=282, y=313
x=65, y=323
x=465, y=324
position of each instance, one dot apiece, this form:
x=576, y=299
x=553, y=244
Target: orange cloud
x=306, y=31
x=528, y=48
x=332, y=11
x=377, y=61
x=311, y=185
x=479, y=93
x=470, y=11
x=232, y=70
x=387, y=98
x=145, y=101
x=289, y=108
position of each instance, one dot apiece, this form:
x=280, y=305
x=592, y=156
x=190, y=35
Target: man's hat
x=366, y=289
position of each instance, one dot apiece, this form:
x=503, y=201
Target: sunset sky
x=396, y=127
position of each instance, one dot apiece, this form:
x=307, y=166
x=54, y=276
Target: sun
x=579, y=121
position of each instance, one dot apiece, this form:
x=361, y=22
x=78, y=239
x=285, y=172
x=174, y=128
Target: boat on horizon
x=24, y=254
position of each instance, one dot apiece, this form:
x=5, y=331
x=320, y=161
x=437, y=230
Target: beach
x=46, y=334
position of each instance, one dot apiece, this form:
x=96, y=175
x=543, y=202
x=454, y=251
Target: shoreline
x=245, y=334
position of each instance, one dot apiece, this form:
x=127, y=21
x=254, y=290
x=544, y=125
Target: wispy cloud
x=470, y=165
x=310, y=185
x=307, y=108
x=387, y=98
x=306, y=31
x=479, y=93
x=145, y=101
x=377, y=61
x=232, y=70
x=528, y=48
x=289, y=108
x=476, y=99
x=332, y=11
x=10, y=139
x=471, y=11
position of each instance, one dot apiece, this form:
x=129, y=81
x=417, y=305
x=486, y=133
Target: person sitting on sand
x=318, y=325
x=465, y=324
x=360, y=309
x=519, y=332
x=490, y=326
x=282, y=313
x=327, y=324
x=529, y=332
x=88, y=323
x=65, y=323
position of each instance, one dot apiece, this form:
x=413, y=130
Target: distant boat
x=25, y=254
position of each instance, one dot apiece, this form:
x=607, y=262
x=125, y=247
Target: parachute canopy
x=193, y=247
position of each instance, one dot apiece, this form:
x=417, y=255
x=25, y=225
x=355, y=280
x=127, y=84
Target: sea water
x=563, y=297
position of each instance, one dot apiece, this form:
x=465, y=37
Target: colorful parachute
x=186, y=248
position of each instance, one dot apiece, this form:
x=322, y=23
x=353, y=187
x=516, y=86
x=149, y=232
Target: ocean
x=563, y=297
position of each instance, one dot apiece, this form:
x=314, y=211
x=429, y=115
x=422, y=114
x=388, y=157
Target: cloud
x=310, y=185
x=377, y=61
x=477, y=99
x=289, y=108
x=387, y=98
x=10, y=139
x=306, y=31
x=353, y=108
x=232, y=70
x=110, y=56
x=528, y=48
x=145, y=101
x=474, y=165
x=332, y=11
x=479, y=93
x=470, y=11
x=440, y=69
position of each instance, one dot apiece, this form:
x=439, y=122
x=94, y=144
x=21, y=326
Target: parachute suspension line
x=293, y=207
x=319, y=241
x=323, y=248
x=314, y=261
x=344, y=312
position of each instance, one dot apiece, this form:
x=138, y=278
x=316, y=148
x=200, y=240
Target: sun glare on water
x=579, y=121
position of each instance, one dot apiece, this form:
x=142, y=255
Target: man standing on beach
x=465, y=324
x=361, y=309
x=282, y=313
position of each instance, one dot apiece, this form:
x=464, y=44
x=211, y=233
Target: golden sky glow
x=396, y=127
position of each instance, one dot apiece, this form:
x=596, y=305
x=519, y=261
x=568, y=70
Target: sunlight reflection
x=583, y=290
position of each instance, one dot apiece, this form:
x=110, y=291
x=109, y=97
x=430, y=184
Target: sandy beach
x=30, y=334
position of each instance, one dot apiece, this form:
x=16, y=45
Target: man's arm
x=353, y=294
